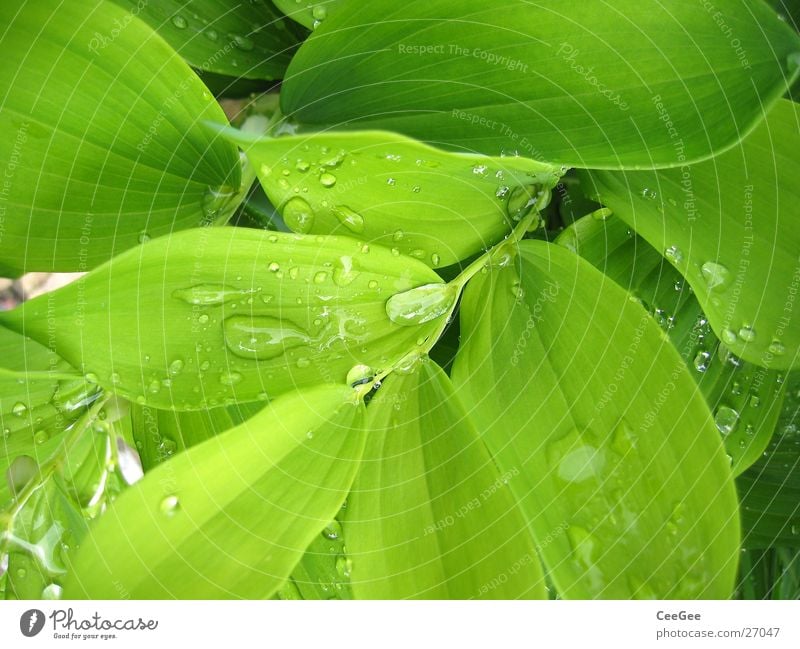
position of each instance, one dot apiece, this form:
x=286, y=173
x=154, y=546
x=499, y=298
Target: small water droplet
x=602, y=214
x=729, y=336
x=243, y=43
x=344, y=566
x=702, y=360
x=175, y=367
x=650, y=194
x=211, y=34
x=210, y=294
x=332, y=531
x=169, y=505
x=726, y=419
x=327, y=179
x=143, y=237
x=391, y=182
x=776, y=347
x=359, y=374
x=180, y=22
x=435, y=260
x=230, y=378
x=51, y=591
x=303, y=362
x=320, y=277
x=319, y=12
x=203, y=318
x=747, y=333
x=19, y=409
x=674, y=255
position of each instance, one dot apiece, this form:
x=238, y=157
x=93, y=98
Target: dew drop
x=51, y=591
x=349, y=218
x=649, y=194
x=729, y=336
x=702, y=360
x=327, y=180
x=175, y=367
x=210, y=294
x=435, y=260
x=320, y=277
x=359, y=374
x=298, y=215
x=674, y=255
x=716, y=276
x=262, y=337
x=143, y=237
x=726, y=419
x=19, y=409
x=179, y=22
x=230, y=378
x=332, y=531
x=776, y=347
x=421, y=304
x=747, y=333
x=169, y=505
x=243, y=43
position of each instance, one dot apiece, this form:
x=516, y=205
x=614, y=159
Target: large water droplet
x=327, y=180
x=262, y=337
x=211, y=294
x=716, y=276
x=298, y=215
x=747, y=333
x=421, y=304
x=726, y=419
x=349, y=218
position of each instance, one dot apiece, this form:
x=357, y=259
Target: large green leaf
x=238, y=38
x=232, y=516
x=103, y=150
x=770, y=489
x=583, y=82
x=745, y=399
x=577, y=389
x=728, y=226
x=395, y=191
x=430, y=516
x=215, y=315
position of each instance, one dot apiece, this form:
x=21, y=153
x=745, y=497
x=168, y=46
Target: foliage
x=461, y=303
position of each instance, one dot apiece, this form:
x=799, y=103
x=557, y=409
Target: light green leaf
x=770, y=489
x=728, y=225
x=231, y=517
x=585, y=83
x=388, y=189
x=430, y=516
x=745, y=399
x=239, y=38
x=103, y=150
x=307, y=12
x=577, y=389
x=215, y=315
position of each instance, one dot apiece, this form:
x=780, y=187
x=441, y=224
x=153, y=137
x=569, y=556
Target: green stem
x=485, y=260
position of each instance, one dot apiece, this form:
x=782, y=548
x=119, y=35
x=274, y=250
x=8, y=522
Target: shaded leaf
x=99, y=119
x=583, y=83
x=430, y=516
x=577, y=389
x=744, y=398
x=309, y=13
x=728, y=225
x=230, y=517
x=236, y=38
x=239, y=315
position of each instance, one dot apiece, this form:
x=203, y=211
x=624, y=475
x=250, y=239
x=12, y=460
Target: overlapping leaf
x=101, y=145
x=728, y=225
x=586, y=83
x=232, y=516
x=430, y=515
x=389, y=189
x=311, y=13
x=216, y=315
x=236, y=38
x=745, y=399
x=576, y=388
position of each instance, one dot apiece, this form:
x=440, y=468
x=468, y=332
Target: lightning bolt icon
x=32, y=620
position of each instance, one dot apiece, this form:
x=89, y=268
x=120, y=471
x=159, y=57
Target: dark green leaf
x=728, y=225
x=311, y=13
x=99, y=120
x=577, y=389
x=238, y=38
x=745, y=399
x=582, y=82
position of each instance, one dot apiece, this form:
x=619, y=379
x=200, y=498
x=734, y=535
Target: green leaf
x=236, y=38
x=728, y=226
x=577, y=389
x=770, y=489
x=231, y=517
x=212, y=316
x=583, y=83
x=388, y=189
x=309, y=13
x=745, y=399
x=430, y=516
x=99, y=120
